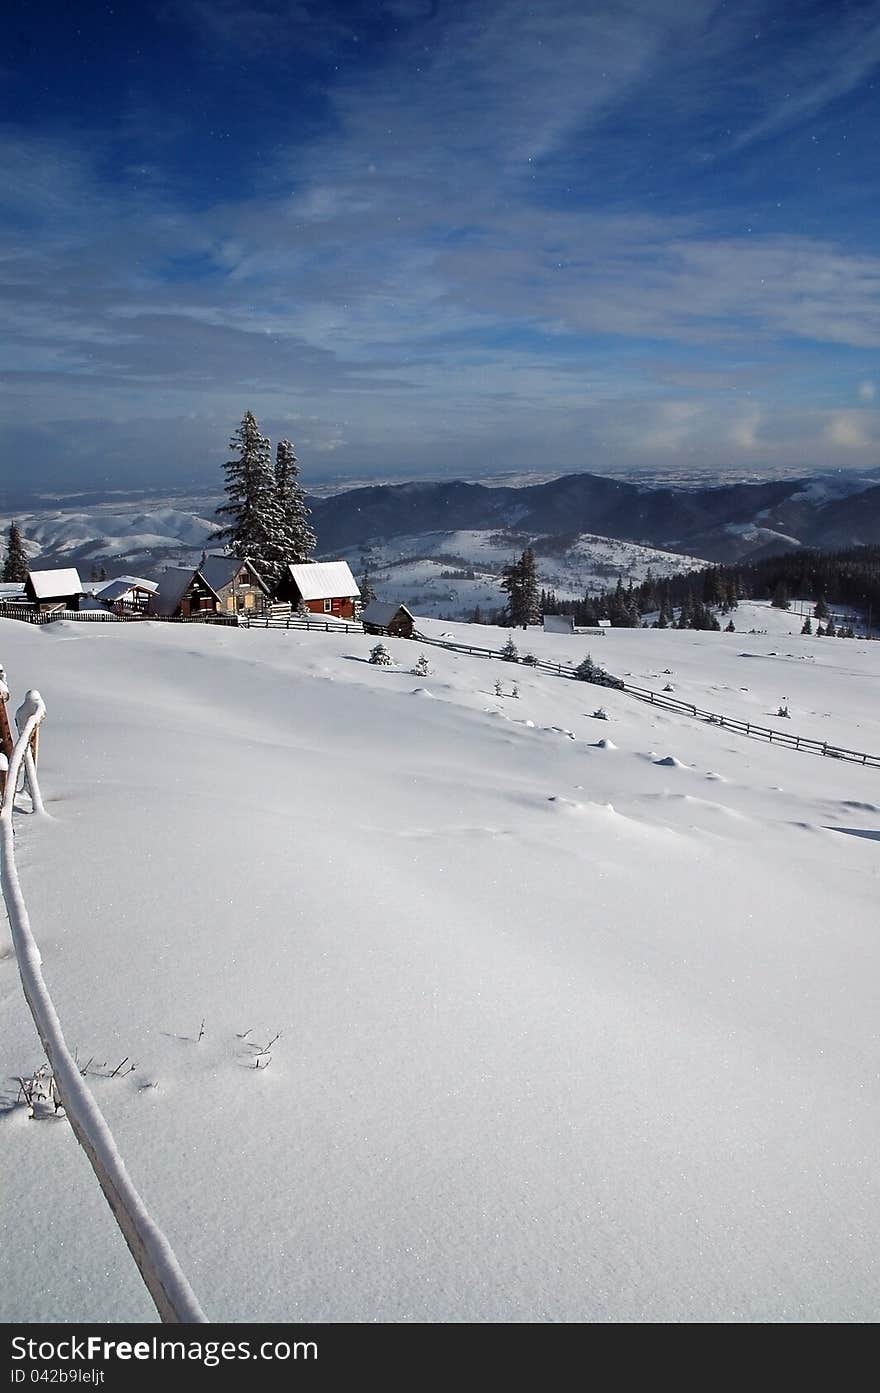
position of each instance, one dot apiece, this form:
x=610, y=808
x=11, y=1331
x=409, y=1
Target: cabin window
x=328, y=606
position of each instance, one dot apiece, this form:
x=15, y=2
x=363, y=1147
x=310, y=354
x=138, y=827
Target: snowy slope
x=424, y=571
x=579, y=1017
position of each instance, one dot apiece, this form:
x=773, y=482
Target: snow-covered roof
x=52, y=585
x=219, y=571
x=558, y=624
x=382, y=614
x=324, y=580
x=172, y=584
x=123, y=585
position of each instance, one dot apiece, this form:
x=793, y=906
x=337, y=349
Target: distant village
x=266, y=571
x=221, y=589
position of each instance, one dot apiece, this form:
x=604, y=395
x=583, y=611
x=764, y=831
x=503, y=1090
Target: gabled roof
x=381, y=614
x=172, y=586
x=54, y=585
x=220, y=570
x=324, y=580
x=115, y=589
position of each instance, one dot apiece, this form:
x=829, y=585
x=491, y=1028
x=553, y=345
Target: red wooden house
x=324, y=587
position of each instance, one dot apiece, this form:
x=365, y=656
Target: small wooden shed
x=126, y=592
x=558, y=624
x=394, y=619
x=51, y=590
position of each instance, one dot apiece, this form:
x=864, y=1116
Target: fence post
x=7, y=744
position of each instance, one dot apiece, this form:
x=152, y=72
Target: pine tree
x=510, y=652
x=294, y=540
x=807, y=628
x=379, y=656
x=530, y=603
x=821, y=611
x=519, y=579
x=365, y=586
x=780, y=596
x=421, y=668
x=252, y=510
x=15, y=567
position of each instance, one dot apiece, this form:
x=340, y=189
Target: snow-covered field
x=578, y=1017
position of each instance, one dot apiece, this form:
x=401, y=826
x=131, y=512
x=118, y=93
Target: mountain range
x=726, y=523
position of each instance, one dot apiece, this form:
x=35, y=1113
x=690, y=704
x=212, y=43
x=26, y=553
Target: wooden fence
x=30, y=615
x=293, y=621
x=684, y=708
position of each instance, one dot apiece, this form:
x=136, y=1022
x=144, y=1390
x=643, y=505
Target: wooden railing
x=604, y=679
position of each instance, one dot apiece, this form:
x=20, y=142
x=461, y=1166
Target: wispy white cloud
x=403, y=277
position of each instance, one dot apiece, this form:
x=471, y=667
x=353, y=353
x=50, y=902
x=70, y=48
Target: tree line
x=695, y=599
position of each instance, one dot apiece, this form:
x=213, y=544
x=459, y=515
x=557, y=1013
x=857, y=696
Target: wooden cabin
x=126, y=593
x=394, y=619
x=183, y=594
x=51, y=590
x=323, y=587
x=236, y=583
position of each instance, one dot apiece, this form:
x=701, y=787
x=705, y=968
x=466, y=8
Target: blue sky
x=432, y=239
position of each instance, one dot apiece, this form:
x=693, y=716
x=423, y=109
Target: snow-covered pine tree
x=379, y=656
x=421, y=668
x=251, y=508
x=586, y=669
x=15, y=567
x=510, y=652
x=294, y=541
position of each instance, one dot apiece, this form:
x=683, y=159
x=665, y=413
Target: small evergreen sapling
x=585, y=670
x=421, y=668
x=510, y=652
x=379, y=656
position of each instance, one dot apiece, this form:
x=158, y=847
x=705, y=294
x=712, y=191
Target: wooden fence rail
x=779, y=737
x=323, y=626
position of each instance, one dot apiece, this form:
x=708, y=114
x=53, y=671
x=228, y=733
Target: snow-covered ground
x=579, y=1017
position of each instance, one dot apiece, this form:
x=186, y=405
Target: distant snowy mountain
x=122, y=534
x=725, y=523
x=451, y=573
